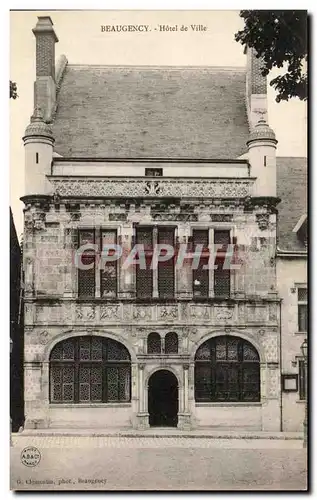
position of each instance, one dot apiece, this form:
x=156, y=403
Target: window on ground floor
x=302, y=374
x=227, y=369
x=90, y=370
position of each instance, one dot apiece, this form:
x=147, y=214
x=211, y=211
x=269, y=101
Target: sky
x=83, y=42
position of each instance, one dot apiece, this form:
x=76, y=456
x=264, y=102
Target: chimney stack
x=45, y=85
x=256, y=89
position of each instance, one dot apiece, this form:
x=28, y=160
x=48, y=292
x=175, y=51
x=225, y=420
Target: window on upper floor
x=155, y=281
x=201, y=276
x=97, y=280
x=302, y=308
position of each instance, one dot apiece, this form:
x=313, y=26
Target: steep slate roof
x=188, y=112
x=292, y=189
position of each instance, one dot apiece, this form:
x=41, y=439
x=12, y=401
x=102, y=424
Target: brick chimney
x=45, y=85
x=256, y=89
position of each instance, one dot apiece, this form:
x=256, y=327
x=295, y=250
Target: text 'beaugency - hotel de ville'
x=154, y=156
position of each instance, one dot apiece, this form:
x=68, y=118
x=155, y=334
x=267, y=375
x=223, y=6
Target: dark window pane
x=57, y=352
x=221, y=350
x=203, y=351
x=108, y=273
x=171, y=343
x=154, y=343
x=232, y=378
x=68, y=393
x=96, y=349
x=302, y=317
x=249, y=353
x=203, y=382
x=89, y=358
x=302, y=379
x=200, y=237
x=221, y=237
x=144, y=282
x=250, y=381
x=165, y=235
x=302, y=294
x=153, y=172
x=221, y=281
x=166, y=279
x=117, y=351
x=144, y=236
x=112, y=383
x=84, y=348
x=232, y=349
x=68, y=350
x=86, y=277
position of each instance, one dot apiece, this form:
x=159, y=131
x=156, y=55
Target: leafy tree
x=13, y=90
x=279, y=37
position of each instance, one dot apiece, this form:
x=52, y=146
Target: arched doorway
x=163, y=399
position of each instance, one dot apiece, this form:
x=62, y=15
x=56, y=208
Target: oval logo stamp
x=30, y=456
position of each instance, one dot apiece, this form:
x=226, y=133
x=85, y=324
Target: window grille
x=154, y=344
x=227, y=369
x=171, y=343
x=201, y=275
x=89, y=369
x=86, y=277
x=108, y=273
x=166, y=270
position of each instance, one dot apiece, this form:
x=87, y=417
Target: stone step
x=162, y=432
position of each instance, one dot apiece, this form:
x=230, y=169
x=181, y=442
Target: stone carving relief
x=85, y=312
x=35, y=220
x=142, y=313
x=43, y=337
x=168, y=312
x=263, y=221
x=200, y=312
x=223, y=313
x=164, y=187
x=109, y=311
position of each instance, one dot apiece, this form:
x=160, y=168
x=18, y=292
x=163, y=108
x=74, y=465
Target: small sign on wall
x=290, y=382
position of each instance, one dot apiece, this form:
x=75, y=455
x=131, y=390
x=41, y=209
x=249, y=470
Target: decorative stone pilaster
x=184, y=416
x=142, y=421
x=126, y=276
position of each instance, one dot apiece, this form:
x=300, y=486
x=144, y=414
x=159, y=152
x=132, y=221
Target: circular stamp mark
x=30, y=456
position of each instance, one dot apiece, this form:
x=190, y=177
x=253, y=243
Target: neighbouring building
x=152, y=155
x=291, y=267
x=16, y=331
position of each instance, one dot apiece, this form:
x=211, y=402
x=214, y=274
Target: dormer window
x=153, y=172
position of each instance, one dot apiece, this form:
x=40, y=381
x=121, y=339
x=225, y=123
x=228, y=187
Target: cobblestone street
x=158, y=463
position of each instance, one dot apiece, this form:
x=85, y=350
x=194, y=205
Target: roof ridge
x=241, y=69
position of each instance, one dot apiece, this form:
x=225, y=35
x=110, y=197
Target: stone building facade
x=150, y=156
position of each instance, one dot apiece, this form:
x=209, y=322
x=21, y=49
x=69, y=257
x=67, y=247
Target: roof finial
x=37, y=114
